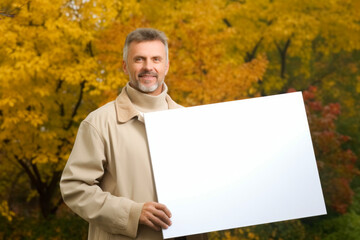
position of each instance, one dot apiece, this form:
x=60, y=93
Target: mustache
x=148, y=73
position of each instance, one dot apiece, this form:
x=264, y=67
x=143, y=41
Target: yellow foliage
x=31, y=195
x=6, y=212
x=50, y=80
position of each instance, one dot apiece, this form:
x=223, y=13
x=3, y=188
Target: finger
x=159, y=221
x=146, y=218
x=164, y=218
x=163, y=214
x=164, y=209
x=150, y=224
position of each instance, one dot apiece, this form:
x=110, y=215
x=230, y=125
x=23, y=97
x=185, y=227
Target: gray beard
x=148, y=89
x=145, y=89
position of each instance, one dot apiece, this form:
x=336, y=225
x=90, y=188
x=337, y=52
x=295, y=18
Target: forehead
x=147, y=48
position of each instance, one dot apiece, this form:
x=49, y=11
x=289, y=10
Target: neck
x=144, y=102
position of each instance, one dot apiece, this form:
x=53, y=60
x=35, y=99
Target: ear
x=125, y=68
x=167, y=67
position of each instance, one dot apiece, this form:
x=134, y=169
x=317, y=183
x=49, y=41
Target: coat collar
x=125, y=110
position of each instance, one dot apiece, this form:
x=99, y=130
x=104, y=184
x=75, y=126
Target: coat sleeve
x=80, y=188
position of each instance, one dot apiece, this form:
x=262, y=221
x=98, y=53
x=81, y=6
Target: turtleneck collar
x=147, y=103
x=125, y=110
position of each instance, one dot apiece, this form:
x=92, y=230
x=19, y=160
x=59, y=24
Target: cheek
x=163, y=70
x=133, y=71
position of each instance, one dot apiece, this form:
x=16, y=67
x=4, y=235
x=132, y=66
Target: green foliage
x=345, y=226
x=55, y=228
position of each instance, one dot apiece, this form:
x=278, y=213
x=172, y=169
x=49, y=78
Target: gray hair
x=142, y=35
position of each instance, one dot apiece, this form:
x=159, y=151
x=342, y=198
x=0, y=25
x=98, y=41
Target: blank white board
x=234, y=164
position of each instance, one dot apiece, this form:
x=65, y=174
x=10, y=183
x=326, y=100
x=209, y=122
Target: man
x=108, y=178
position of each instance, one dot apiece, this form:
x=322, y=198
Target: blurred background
x=61, y=59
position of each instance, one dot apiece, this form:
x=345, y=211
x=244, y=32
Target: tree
x=292, y=33
x=337, y=164
x=50, y=80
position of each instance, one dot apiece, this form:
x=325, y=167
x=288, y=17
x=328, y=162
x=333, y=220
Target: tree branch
x=89, y=48
x=3, y=13
x=77, y=105
x=57, y=205
x=227, y=23
x=29, y=173
x=283, y=52
x=7, y=12
x=37, y=175
x=251, y=56
x=59, y=84
x=54, y=180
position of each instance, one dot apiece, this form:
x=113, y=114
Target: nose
x=148, y=65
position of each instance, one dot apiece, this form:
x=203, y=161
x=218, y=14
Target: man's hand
x=155, y=215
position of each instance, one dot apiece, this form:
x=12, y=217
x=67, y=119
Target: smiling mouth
x=147, y=75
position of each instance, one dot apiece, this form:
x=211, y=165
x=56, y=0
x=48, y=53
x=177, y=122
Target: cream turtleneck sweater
x=147, y=103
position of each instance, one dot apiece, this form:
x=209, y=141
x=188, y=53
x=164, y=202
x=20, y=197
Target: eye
x=138, y=59
x=157, y=59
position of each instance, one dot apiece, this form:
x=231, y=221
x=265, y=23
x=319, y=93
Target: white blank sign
x=234, y=164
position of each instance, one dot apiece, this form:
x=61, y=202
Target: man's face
x=146, y=66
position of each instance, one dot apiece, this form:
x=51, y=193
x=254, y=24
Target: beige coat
x=108, y=176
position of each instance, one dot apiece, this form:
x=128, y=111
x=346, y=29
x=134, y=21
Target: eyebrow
x=141, y=56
